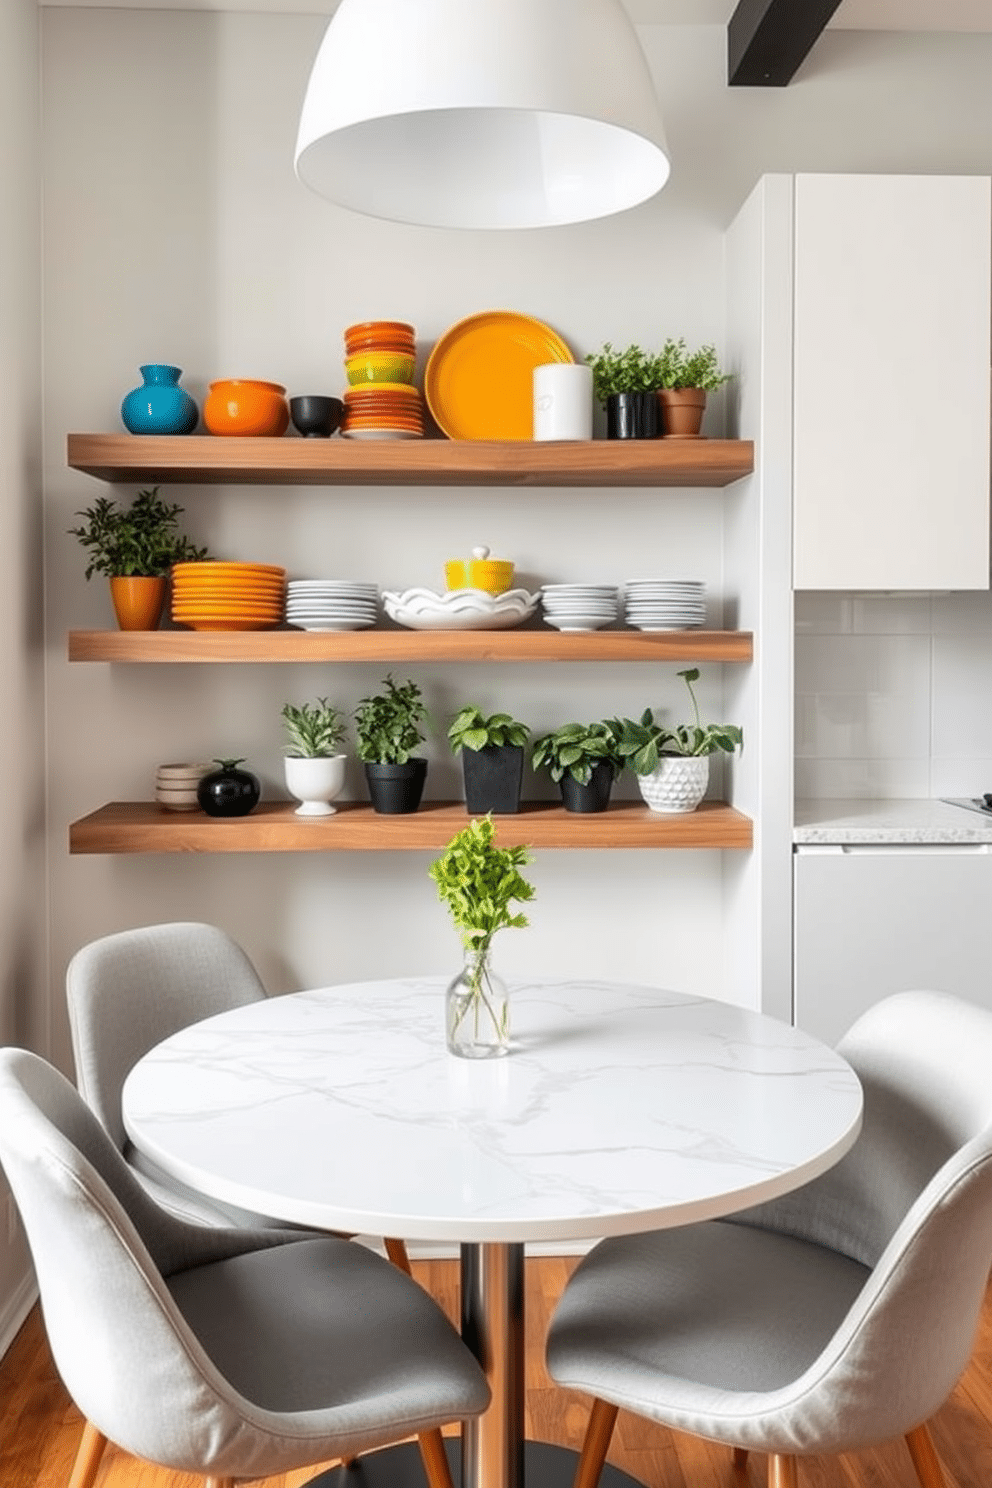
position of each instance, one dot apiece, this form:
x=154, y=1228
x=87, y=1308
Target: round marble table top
x=620, y=1108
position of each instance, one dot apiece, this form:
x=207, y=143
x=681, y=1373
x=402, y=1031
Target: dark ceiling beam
x=768, y=40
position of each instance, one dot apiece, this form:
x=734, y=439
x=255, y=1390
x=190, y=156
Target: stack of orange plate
x=380, y=335
x=228, y=596
x=383, y=410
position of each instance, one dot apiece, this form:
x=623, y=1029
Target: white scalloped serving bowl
x=459, y=609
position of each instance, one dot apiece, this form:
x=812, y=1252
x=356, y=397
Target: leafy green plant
x=629, y=371
x=677, y=367
x=479, y=883
x=574, y=748
x=470, y=729
x=315, y=730
x=637, y=371
x=642, y=743
x=140, y=540
x=388, y=725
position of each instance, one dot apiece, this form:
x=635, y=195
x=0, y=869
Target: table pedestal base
x=545, y=1466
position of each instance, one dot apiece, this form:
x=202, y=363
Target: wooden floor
x=39, y=1428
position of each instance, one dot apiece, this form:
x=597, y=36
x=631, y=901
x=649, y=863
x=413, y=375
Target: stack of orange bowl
x=228, y=596
x=381, y=401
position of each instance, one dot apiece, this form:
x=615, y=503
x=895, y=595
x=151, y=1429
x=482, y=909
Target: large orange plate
x=479, y=377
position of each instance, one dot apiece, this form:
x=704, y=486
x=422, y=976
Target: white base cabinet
x=870, y=921
x=893, y=277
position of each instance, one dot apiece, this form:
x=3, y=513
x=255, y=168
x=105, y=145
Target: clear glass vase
x=477, y=1010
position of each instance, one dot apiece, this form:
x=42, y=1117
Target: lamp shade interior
x=482, y=113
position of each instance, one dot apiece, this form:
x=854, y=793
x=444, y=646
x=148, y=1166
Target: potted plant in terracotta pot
x=387, y=731
x=625, y=383
x=492, y=751
x=479, y=883
x=583, y=759
x=135, y=547
x=314, y=764
x=683, y=379
x=672, y=765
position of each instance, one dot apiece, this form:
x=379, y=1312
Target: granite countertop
x=927, y=822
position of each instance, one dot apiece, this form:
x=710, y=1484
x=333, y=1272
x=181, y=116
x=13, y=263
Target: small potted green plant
x=625, y=383
x=313, y=762
x=492, y=751
x=583, y=759
x=135, y=547
x=672, y=764
x=388, y=729
x=479, y=882
x=684, y=378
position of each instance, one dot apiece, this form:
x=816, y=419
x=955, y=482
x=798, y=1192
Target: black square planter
x=493, y=775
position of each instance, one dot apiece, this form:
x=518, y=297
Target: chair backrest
x=912, y=1201
x=127, y=992
x=101, y=1250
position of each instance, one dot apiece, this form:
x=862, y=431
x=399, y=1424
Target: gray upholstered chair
x=835, y=1318
x=230, y=1353
x=127, y=992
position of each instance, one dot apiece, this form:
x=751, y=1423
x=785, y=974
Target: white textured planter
x=315, y=783
x=678, y=784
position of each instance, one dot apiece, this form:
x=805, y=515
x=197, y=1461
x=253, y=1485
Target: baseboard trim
x=15, y=1309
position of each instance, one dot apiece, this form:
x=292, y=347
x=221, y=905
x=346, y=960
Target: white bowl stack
x=331, y=604
x=572, y=607
x=665, y=604
x=175, y=786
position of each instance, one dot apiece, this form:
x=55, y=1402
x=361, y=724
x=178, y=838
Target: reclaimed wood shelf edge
x=144, y=827
x=205, y=459
x=409, y=645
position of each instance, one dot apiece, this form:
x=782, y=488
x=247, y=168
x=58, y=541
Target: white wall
x=175, y=231
x=24, y=1004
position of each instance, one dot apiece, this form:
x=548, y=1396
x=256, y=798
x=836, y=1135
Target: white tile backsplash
x=893, y=695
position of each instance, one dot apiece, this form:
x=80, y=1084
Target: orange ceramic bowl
x=245, y=405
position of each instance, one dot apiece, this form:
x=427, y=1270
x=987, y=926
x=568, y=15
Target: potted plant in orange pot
x=135, y=547
x=683, y=378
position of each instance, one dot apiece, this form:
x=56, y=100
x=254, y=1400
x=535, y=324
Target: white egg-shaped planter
x=315, y=782
x=677, y=784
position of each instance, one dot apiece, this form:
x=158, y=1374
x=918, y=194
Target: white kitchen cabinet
x=873, y=920
x=891, y=340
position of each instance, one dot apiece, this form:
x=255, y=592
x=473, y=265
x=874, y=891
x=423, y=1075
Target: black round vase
x=592, y=797
x=632, y=416
x=229, y=791
x=396, y=790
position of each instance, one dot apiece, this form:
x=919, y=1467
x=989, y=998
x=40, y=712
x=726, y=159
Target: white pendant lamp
x=482, y=113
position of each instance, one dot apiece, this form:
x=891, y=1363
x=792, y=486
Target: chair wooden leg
x=782, y=1471
x=602, y=1419
x=213, y=1482
x=435, y=1459
x=921, y=1449
x=396, y=1251
x=87, y=1463
x=431, y=1443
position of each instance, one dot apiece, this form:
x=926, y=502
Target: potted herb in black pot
x=387, y=731
x=492, y=751
x=625, y=383
x=582, y=758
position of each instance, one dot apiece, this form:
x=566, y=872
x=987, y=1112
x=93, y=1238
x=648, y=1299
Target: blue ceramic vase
x=159, y=405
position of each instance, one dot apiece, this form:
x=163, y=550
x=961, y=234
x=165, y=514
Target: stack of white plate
x=665, y=604
x=579, y=606
x=175, y=786
x=332, y=604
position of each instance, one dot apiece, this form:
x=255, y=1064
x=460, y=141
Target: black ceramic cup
x=314, y=416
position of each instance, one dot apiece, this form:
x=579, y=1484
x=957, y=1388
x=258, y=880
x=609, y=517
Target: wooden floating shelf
x=205, y=459
x=143, y=827
x=409, y=645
